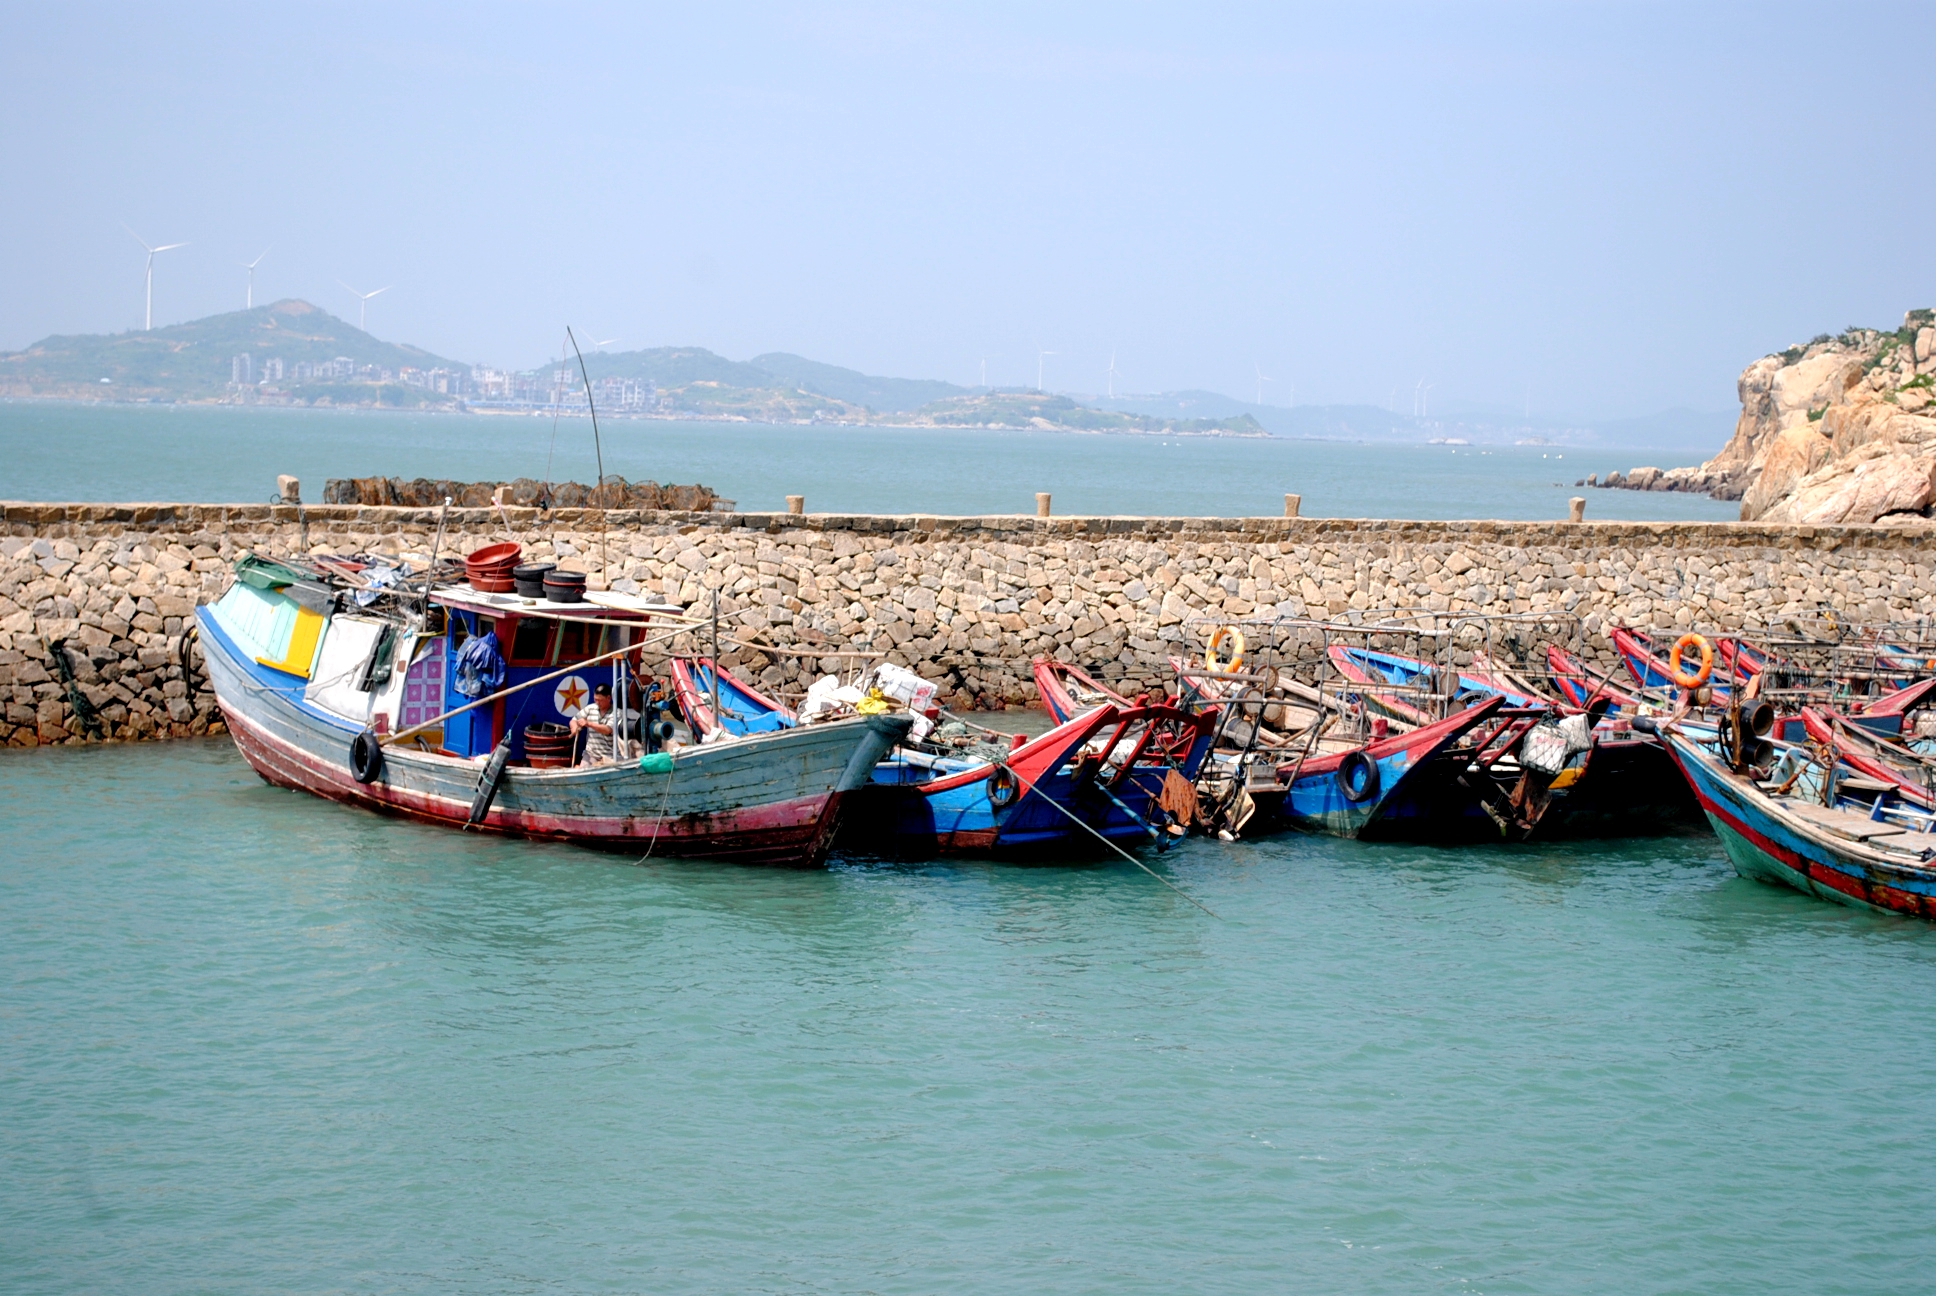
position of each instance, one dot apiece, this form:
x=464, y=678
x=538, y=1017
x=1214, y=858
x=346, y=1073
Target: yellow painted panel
x=301, y=657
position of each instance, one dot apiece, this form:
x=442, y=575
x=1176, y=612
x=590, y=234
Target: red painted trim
x=1825, y=726
x=1901, y=701
x=1039, y=756
x=1877, y=894
x=1427, y=738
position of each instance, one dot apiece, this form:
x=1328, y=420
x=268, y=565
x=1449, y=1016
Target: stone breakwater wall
x=94, y=599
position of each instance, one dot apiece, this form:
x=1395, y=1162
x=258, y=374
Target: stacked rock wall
x=966, y=601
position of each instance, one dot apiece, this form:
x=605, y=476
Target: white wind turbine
x=363, y=301
x=1112, y=375
x=250, y=267
x=1038, y=368
x=1261, y=380
x=148, y=319
x=600, y=346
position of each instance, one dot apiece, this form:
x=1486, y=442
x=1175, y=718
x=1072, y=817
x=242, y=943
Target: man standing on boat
x=594, y=720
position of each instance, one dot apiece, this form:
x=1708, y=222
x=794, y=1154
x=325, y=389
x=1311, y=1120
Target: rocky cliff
x=1841, y=430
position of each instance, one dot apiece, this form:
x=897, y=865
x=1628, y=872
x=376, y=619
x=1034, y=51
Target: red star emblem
x=571, y=695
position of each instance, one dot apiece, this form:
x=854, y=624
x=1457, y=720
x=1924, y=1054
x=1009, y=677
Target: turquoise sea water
x=251, y=1041
x=232, y=454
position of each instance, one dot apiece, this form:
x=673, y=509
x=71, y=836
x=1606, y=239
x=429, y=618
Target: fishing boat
x=1579, y=689
x=1067, y=690
x=381, y=707
x=1652, y=670
x=1912, y=774
x=1368, y=790
x=1097, y=777
x=1614, y=781
x=1811, y=833
x=1398, y=686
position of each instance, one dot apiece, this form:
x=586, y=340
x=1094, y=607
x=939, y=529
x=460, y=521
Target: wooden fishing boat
x=1879, y=860
x=1067, y=690
x=1912, y=774
x=1096, y=777
x=1622, y=784
x=1365, y=790
x=1649, y=667
x=365, y=708
x=1415, y=681
x=1579, y=689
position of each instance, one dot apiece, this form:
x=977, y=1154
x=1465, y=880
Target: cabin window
x=571, y=642
x=460, y=630
x=529, y=643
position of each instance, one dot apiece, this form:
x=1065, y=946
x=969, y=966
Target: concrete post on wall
x=796, y=504
x=1292, y=503
x=1576, y=509
x=288, y=489
x=1041, y=503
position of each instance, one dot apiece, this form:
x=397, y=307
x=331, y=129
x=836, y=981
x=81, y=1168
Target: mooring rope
x=1020, y=778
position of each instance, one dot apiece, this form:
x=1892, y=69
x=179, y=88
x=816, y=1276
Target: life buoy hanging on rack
x=1689, y=679
x=1210, y=661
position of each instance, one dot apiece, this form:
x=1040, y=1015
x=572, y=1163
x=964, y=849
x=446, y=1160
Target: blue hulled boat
x=1861, y=848
x=1099, y=776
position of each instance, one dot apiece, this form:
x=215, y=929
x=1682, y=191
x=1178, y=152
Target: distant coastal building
x=242, y=371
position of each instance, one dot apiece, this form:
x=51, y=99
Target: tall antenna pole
x=604, y=554
x=715, y=657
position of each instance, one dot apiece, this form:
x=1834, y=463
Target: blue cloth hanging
x=480, y=666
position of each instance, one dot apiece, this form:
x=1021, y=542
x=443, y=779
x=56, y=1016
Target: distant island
x=294, y=353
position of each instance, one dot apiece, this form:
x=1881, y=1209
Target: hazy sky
x=1615, y=206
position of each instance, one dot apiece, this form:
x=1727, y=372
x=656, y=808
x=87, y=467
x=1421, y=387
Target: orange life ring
x=1236, y=661
x=1690, y=679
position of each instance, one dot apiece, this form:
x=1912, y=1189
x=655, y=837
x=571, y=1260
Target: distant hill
x=781, y=377
x=1015, y=408
x=674, y=367
x=192, y=361
x=1318, y=422
x=882, y=395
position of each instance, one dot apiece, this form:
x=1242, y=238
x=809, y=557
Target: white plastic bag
x=822, y=699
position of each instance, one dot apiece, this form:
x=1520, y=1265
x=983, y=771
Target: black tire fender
x=366, y=757
x=1002, y=787
x=1358, y=777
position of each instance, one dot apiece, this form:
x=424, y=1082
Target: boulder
x=1794, y=453
x=1887, y=482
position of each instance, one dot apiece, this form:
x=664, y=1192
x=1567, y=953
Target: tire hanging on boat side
x=487, y=783
x=1358, y=776
x=366, y=757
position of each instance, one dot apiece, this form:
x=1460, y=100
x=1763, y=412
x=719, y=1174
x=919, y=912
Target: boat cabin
x=388, y=674
x=535, y=638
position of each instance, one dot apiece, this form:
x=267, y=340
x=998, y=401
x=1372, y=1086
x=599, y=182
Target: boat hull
x=1315, y=799
x=1057, y=820
x=1766, y=846
x=772, y=799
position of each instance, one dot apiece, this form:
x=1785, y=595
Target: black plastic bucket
x=564, y=586
x=530, y=578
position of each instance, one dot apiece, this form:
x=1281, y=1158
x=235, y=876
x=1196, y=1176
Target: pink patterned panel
x=423, y=690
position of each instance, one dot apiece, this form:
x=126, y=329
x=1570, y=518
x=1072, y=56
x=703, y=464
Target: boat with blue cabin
x=453, y=705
